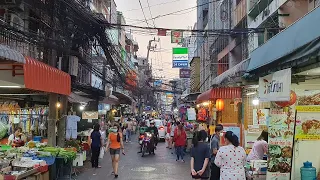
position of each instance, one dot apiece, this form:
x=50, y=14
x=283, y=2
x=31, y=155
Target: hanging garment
x=72, y=126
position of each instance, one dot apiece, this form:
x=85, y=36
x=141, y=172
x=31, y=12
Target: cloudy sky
x=161, y=61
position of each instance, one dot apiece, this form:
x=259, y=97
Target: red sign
x=185, y=73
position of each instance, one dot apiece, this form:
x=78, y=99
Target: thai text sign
x=276, y=86
x=184, y=73
x=180, y=57
x=176, y=36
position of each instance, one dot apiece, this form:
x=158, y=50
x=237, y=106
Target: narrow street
x=162, y=166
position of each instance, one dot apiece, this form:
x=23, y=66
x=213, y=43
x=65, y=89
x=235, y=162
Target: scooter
x=147, y=144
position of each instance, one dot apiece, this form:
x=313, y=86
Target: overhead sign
x=184, y=73
x=276, y=86
x=180, y=57
x=176, y=36
x=90, y=115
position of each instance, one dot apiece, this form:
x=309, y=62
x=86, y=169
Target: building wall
x=195, y=75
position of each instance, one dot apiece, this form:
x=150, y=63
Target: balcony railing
x=239, y=12
x=20, y=45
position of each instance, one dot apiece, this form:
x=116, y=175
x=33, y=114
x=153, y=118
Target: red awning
x=42, y=77
x=220, y=93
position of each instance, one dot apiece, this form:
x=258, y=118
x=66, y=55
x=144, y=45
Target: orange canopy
x=220, y=93
x=42, y=77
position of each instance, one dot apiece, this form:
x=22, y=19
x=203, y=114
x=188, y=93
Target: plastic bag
x=101, y=153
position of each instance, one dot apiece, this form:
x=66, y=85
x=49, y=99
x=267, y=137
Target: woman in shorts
x=114, y=144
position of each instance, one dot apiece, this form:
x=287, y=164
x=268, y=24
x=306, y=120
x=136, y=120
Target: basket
x=37, y=138
x=49, y=160
x=42, y=169
x=5, y=147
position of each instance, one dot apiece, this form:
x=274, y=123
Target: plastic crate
x=37, y=138
x=9, y=177
x=49, y=160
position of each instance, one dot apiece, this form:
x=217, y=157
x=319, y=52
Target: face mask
x=114, y=130
x=221, y=134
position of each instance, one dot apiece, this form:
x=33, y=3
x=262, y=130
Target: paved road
x=162, y=166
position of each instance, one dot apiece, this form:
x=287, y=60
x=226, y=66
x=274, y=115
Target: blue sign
x=180, y=64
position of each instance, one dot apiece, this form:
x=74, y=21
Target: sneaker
x=177, y=160
x=112, y=173
x=182, y=161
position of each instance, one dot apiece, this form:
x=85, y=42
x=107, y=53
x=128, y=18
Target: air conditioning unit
x=73, y=65
x=15, y=21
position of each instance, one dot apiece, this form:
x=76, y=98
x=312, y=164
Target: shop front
x=221, y=106
x=284, y=100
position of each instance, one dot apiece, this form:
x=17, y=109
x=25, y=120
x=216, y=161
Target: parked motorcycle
x=147, y=144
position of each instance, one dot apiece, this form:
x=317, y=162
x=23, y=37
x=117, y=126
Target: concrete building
x=276, y=13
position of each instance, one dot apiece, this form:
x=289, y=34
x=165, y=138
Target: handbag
x=101, y=155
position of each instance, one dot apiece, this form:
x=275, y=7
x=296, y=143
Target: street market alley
x=162, y=166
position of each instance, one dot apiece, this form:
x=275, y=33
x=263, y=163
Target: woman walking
x=180, y=138
x=231, y=158
x=200, y=154
x=114, y=144
x=96, y=144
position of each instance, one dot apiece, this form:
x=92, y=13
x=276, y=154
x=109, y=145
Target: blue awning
x=295, y=36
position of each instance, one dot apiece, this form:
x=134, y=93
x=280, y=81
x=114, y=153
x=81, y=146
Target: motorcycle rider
x=153, y=129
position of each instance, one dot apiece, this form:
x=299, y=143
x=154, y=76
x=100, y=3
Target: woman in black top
x=96, y=144
x=200, y=154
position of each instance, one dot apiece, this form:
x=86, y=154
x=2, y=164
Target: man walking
x=214, y=147
x=129, y=130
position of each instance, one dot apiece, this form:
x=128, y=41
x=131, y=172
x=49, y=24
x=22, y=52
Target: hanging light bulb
x=255, y=101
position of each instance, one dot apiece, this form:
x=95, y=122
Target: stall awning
x=110, y=100
x=75, y=98
x=42, y=77
x=7, y=53
x=229, y=75
x=220, y=93
x=295, y=36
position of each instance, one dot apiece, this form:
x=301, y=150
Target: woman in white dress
x=231, y=159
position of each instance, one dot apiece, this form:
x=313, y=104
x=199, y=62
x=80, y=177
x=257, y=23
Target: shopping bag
x=101, y=153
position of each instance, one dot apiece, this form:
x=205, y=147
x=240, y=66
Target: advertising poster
x=308, y=123
x=260, y=116
x=308, y=115
x=281, y=128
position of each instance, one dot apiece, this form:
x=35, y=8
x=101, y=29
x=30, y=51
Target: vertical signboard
x=176, y=36
x=180, y=57
x=281, y=130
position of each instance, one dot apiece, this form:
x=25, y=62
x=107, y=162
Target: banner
x=176, y=36
x=180, y=57
x=184, y=73
x=281, y=129
x=276, y=86
x=90, y=115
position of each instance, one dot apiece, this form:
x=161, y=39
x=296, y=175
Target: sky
x=161, y=61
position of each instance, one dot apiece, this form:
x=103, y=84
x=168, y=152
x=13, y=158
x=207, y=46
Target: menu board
x=260, y=116
x=308, y=123
x=281, y=129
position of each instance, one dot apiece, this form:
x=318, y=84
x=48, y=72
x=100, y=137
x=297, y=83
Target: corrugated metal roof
x=10, y=54
x=295, y=36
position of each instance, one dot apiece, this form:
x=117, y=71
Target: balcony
x=20, y=45
x=257, y=6
x=239, y=12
